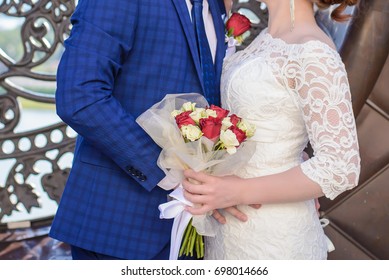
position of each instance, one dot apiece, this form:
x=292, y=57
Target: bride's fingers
x=197, y=176
x=203, y=209
x=193, y=187
x=194, y=198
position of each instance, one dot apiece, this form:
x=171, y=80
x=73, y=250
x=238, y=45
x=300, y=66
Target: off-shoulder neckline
x=316, y=42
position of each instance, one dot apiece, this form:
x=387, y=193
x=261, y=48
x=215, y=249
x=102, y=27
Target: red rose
x=220, y=112
x=234, y=119
x=237, y=24
x=240, y=134
x=211, y=127
x=184, y=119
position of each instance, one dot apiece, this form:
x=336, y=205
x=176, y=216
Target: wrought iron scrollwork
x=46, y=25
x=9, y=113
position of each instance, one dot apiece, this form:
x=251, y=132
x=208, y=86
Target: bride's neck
x=228, y=5
x=280, y=18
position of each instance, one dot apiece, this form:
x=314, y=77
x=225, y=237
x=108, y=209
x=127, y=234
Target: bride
x=291, y=83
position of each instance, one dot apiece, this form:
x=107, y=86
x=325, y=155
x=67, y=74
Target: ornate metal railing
x=29, y=79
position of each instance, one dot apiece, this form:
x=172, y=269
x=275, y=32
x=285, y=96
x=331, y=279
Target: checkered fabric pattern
x=120, y=59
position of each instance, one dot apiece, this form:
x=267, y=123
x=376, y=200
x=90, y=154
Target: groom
x=120, y=59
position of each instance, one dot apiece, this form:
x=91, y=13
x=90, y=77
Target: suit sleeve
x=101, y=38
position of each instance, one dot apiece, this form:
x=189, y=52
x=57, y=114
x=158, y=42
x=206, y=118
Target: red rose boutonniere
x=236, y=26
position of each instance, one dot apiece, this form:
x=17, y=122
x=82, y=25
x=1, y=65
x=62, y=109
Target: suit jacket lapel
x=220, y=35
x=187, y=25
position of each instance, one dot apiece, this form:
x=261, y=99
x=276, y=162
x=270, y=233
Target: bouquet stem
x=191, y=242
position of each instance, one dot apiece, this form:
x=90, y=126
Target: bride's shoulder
x=316, y=35
x=315, y=43
x=324, y=41
x=315, y=47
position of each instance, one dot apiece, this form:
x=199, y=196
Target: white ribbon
x=231, y=45
x=175, y=209
x=231, y=41
x=330, y=246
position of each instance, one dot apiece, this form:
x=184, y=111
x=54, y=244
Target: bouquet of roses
x=194, y=135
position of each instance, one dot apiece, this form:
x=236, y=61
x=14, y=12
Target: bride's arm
x=322, y=91
x=221, y=192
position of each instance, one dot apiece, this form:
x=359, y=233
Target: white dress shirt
x=209, y=26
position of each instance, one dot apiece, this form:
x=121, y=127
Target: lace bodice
x=295, y=93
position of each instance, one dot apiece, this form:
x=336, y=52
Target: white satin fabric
x=292, y=93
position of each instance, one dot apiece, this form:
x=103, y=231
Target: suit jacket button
x=142, y=178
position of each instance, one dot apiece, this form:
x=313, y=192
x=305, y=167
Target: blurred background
x=36, y=148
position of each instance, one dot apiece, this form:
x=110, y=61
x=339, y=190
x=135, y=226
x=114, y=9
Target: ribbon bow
x=176, y=209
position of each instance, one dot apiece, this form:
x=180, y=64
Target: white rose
x=226, y=123
x=197, y=114
x=175, y=113
x=188, y=106
x=247, y=127
x=210, y=113
x=191, y=132
x=229, y=141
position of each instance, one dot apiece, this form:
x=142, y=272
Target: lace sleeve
x=322, y=91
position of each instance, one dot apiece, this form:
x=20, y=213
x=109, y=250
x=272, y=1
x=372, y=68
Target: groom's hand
x=233, y=210
x=317, y=206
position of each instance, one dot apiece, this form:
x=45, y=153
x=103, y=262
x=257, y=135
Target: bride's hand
x=212, y=192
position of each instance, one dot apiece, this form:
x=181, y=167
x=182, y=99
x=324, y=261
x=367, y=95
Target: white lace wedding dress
x=292, y=93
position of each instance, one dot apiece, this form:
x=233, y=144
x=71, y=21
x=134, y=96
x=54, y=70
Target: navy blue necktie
x=209, y=77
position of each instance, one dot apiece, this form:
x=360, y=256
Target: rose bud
x=240, y=134
x=238, y=24
x=211, y=127
x=234, y=119
x=184, y=119
x=220, y=112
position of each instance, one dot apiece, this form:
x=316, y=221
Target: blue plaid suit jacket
x=121, y=58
